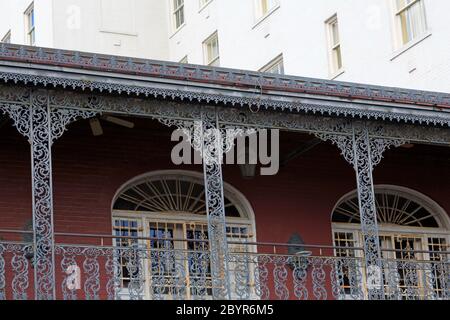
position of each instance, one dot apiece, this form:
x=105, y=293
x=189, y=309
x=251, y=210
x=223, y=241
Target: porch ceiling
x=139, y=77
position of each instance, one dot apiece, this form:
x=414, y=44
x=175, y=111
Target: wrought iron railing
x=165, y=269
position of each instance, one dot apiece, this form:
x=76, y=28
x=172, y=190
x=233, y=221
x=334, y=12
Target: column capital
x=366, y=137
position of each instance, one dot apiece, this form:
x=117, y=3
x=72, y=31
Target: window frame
x=174, y=12
x=399, y=32
x=259, y=12
x=332, y=47
x=272, y=63
x=30, y=25
x=212, y=61
x=7, y=37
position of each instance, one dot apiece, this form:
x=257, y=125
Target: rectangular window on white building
x=211, y=50
x=178, y=13
x=275, y=66
x=334, y=45
x=29, y=25
x=264, y=7
x=411, y=19
x=7, y=37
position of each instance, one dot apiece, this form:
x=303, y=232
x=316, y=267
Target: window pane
x=30, y=25
x=212, y=50
x=417, y=19
x=178, y=12
x=177, y=4
x=31, y=19
x=335, y=33
x=406, y=35
x=179, y=18
x=337, y=57
x=265, y=6
x=334, y=45
x=412, y=20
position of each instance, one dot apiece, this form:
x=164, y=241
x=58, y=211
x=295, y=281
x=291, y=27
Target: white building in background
x=403, y=43
x=122, y=27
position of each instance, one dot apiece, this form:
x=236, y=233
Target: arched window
x=167, y=210
x=170, y=193
x=394, y=207
x=412, y=228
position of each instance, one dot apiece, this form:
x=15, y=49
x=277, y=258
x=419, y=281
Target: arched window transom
x=172, y=193
x=393, y=208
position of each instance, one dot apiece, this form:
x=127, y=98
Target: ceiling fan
x=96, y=126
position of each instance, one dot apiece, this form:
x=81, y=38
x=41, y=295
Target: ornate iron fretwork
x=364, y=153
x=174, y=113
x=212, y=152
x=40, y=136
x=41, y=124
x=61, y=118
x=363, y=161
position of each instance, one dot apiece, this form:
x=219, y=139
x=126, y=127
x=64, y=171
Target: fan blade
x=96, y=127
x=119, y=122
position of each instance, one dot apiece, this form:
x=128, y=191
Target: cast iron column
x=42, y=194
x=212, y=152
x=369, y=225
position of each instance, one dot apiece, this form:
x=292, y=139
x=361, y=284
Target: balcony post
x=42, y=195
x=212, y=153
x=363, y=165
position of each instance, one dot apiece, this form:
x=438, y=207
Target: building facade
x=382, y=42
x=105, y=213
x=94, y=206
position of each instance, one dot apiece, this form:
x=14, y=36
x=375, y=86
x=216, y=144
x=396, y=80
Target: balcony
x=95, y=267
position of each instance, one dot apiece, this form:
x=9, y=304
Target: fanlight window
x=393, y=207
x=171, y=193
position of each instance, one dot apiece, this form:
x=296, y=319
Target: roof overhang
x=139, y=77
